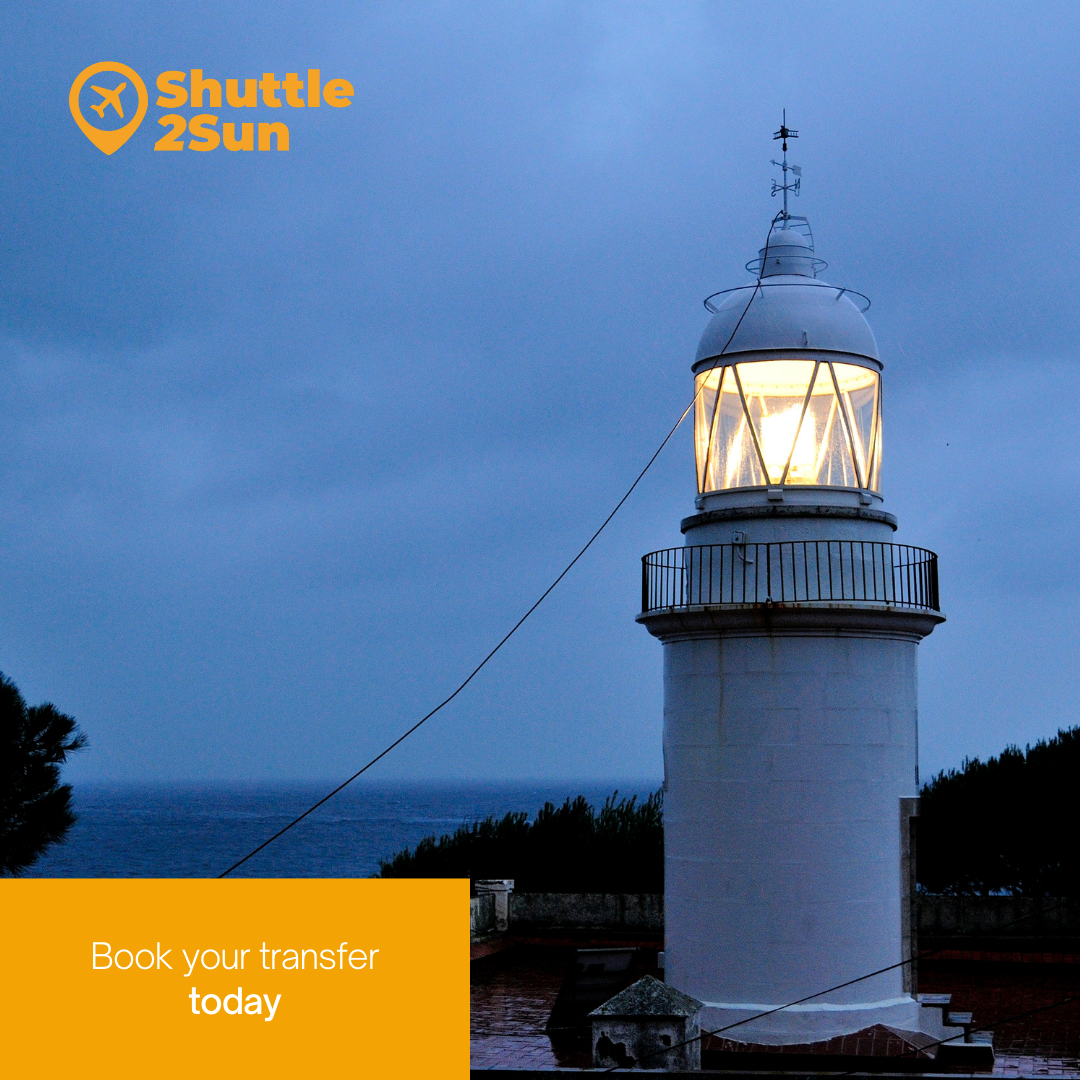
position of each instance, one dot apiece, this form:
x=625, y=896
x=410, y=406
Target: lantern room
x=788, y=379
x=778, y=422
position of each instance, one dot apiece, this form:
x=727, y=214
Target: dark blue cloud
x=291, y=439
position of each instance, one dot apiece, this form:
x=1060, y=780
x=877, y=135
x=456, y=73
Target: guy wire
x=851, y=982
x=543, y=596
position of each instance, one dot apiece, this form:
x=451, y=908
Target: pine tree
x=1005, y=825
x=35, y=808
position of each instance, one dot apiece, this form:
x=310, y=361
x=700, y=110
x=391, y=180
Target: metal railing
x=798, y=571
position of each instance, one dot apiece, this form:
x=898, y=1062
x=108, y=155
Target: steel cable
x=850, y=982
x=543, y=596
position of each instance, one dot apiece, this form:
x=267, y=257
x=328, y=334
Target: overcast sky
x=291, y=439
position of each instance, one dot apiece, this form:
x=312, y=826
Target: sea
x=196, y=831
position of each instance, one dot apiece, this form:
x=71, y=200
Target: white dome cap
x=788, y=252
x=788, y=310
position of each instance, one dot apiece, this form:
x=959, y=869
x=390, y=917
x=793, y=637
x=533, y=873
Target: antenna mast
x=786, y=133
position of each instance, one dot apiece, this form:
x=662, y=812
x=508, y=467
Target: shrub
x=1006, y=825
x=570, y=848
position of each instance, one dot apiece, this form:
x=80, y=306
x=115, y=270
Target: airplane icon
x=109, y=97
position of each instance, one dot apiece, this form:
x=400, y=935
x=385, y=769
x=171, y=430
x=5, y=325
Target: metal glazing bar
x=750, y=425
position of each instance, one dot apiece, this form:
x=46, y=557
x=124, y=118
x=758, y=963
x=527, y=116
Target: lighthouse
x=790, y=622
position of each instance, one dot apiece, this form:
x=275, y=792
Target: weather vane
x=786, y=133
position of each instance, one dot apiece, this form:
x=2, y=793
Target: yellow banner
x=247, y=977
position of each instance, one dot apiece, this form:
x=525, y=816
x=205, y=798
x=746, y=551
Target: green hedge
x=570, y=848
x=1007, y=825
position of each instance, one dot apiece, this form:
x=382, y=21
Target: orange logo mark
x=108, y=142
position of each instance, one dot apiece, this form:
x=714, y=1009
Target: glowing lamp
x=777, y=422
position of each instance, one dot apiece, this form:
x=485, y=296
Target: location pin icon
x=108, y=142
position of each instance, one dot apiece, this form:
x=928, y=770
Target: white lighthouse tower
x=790, y=622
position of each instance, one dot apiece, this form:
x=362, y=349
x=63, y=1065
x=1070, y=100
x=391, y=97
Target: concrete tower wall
x=719, y=528
x=786, y=755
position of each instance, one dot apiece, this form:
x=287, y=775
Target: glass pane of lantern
x=875, y=464
x=835, y=466
x=734, y=462
x=816, y=440
x=708, y=385
x=859, y=394
x=775, y=391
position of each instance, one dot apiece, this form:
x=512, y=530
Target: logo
x=109, y=140
x=113, y=93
